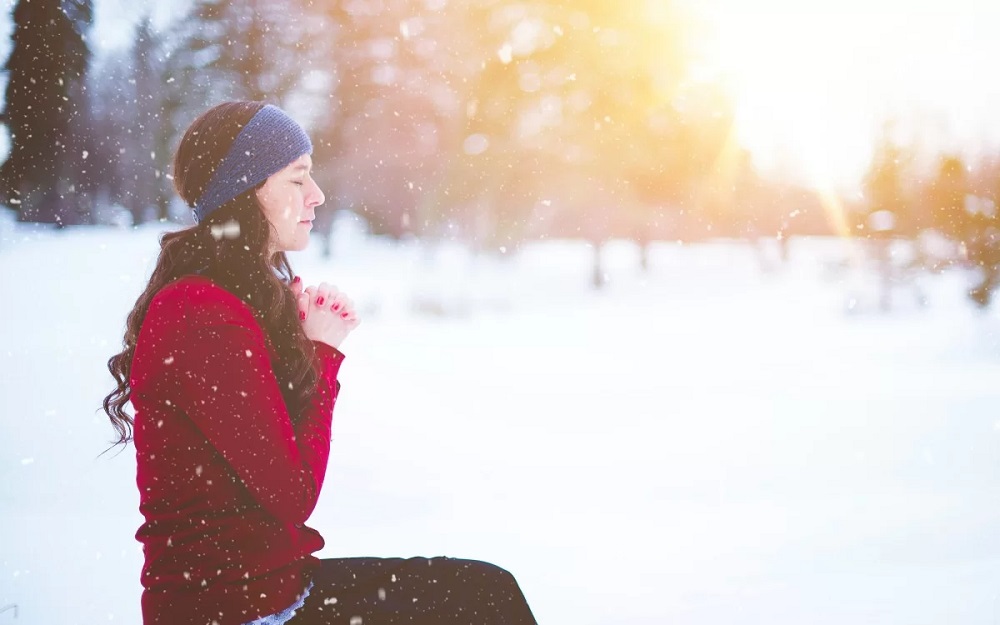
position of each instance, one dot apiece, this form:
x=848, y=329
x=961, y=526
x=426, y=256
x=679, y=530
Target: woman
x=231, y=367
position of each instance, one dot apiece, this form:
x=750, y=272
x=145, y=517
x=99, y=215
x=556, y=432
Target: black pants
x=412, y=591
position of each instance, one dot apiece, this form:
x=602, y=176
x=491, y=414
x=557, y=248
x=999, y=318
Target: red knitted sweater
x=226, y=477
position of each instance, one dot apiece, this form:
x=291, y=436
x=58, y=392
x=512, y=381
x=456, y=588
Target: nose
x=315, y=197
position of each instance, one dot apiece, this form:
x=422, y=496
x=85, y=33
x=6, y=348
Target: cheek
x=281, y=208
x=272, y=203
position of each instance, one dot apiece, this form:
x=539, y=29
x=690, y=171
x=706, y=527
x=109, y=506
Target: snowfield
x=706, y=443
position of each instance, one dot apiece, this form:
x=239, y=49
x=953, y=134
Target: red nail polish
x=296, y=279
x=336, y=307
x=302, y=315
x=344, y=314
x=319, y=302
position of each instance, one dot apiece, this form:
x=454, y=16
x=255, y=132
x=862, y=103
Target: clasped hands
x=326, y=313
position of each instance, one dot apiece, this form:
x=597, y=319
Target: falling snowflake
x=506, y=53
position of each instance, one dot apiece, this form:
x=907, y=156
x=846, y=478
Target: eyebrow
x=301, y=168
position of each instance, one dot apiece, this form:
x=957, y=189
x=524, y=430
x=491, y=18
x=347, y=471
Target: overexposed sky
x=815, y=80
x=114, y=20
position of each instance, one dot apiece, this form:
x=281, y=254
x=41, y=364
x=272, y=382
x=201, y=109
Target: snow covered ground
x=703, y=444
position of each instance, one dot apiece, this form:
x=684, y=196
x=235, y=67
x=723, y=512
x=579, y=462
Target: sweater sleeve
x=229, y=390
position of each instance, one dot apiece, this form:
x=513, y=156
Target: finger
x=322, y=297
x=296, y=286
x=337, y=304
x=325, y=294
x=329, y=288
x=303, y=304
x=311, y=292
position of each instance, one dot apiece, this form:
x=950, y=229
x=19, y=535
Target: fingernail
x=336, y=307
x=296, y=279
x=319, y=302
x=343, y=314
x=302, y=315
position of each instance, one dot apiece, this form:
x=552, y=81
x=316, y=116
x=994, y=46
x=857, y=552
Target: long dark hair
x=231, y=247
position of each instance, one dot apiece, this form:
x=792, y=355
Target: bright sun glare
x=813, y=82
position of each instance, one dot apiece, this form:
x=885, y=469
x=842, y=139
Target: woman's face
x=289, y=199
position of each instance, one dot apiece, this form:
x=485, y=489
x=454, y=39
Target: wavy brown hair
x=230, y=246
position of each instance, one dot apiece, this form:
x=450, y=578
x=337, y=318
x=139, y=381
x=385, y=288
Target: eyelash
x=298, y=183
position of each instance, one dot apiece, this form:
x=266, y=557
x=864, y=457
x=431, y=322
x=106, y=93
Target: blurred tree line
x=944, y=205
x=492, y=120
x=488, y=121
